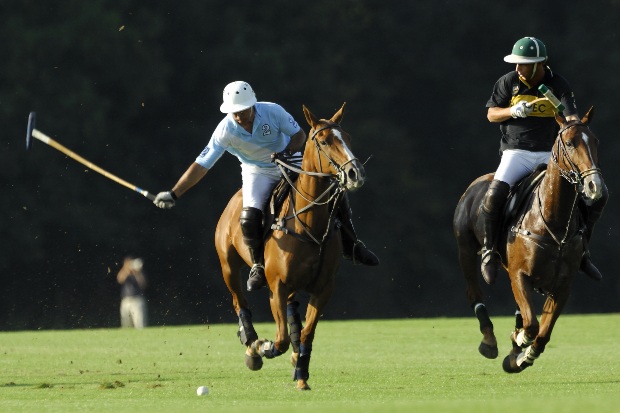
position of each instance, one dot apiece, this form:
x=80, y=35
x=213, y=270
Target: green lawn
x=426, y=365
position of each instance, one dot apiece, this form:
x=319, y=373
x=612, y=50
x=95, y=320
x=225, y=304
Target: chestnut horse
x=541, y=247
x=304, y=251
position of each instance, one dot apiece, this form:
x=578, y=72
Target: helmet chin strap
x=533, y=71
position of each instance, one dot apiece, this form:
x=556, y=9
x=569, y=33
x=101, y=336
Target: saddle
x=521, y=192
x=279, y=194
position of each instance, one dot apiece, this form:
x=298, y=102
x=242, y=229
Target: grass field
x=424, y=365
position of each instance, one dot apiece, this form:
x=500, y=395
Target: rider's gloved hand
x=165, y=200
x=521, y=109
x=280, y=155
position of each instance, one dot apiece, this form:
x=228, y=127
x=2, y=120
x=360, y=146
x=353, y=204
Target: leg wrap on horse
x=528, y=357
x=294, y=324
x=518, y=320
x=303, y=363
x=246, y=332
x=268, y=350
x=483, y=316
x=523, y=340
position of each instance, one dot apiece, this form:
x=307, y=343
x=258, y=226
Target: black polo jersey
x=538, y=131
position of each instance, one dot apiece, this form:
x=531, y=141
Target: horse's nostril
x=352, y=175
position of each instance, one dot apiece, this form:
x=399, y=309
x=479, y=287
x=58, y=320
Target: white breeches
x=257, y=187
x=517, y=163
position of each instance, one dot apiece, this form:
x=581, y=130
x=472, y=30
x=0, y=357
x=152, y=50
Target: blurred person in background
x=133, y=282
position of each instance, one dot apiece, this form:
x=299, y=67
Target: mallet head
x=32, y=119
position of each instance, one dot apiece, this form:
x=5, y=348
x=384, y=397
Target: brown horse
x=541, y=247
x=304, y=252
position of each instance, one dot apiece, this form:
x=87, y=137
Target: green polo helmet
x=527, y=50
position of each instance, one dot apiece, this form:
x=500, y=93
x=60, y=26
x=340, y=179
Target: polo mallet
x=551, y=97
x=35, y=133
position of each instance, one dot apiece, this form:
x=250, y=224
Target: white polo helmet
x=237, y=96
x=527, y=50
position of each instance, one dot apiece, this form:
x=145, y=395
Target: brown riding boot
x=352, y=248
x=490, y=213
x=588, y=268
x=591, y=214
x=252, y=229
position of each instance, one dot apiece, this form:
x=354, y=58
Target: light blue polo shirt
x=271, y=132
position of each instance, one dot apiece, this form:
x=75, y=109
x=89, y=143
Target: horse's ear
x=588, y=118
x=310, y=118
x=560, y=119
x=337, y=118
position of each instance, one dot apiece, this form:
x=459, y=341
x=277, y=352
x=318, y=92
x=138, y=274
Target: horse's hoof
x=254, y=362
x=510, y=364
x=488, y=351
x=516, y=350
x=302, y=385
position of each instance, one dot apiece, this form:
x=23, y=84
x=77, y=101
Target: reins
x=333, y=194
x=573, y=176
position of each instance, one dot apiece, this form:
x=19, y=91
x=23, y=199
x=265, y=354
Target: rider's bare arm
x=297, y=142
x=190, y=178
x=498, y=114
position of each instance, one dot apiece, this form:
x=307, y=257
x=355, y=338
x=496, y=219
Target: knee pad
x=294, y=325
x=251, y=222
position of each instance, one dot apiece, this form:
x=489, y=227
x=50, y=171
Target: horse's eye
x=570, y=144
x=322, y=143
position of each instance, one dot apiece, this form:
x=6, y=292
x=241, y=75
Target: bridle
x=340, y=174
x=572, y=175
x=332, y=195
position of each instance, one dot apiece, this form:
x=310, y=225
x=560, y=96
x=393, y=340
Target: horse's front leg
x=302, y=365
x=516, y=361
x=551, y=312
x=249, y=339
x=277, y=300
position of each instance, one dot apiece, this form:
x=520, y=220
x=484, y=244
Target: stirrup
x=257, y=278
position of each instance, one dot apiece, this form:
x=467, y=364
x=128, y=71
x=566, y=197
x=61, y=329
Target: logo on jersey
x=204, y=152
x=266, y=130
x=291, y=120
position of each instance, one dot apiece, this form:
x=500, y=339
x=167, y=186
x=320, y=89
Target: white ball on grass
x=202, y=390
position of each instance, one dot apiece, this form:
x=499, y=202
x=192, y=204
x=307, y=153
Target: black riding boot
x=490, y=213
x=252, y=230
x=592, y=213
x=352, y=248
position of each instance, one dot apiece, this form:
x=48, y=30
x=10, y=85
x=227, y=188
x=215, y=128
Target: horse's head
x=332, y=150
x=576, y=155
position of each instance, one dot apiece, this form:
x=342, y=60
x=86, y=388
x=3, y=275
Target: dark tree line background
x=135, y=87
